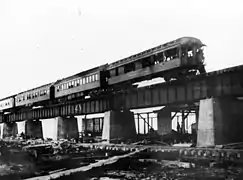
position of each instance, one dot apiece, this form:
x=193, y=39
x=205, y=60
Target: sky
x=42, y=41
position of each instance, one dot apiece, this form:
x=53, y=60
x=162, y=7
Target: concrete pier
x=33, y=128
x=9, y=129
x=118, y=125
x=164, y=121
x=67, y=127
x=220, y=121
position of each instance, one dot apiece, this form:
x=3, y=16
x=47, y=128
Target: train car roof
x=83, y=73
x=190, y=40
x=49, y=84
x=2, y=99
x=180, y=41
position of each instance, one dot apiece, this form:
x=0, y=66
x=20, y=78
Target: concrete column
x=67, y=128
x=220, y=122
x=9, y=129
x=34, y=128
x=118, y=125
x=164, y=121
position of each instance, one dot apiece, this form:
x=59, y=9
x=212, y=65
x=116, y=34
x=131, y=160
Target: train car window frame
x=78, y=82
x=97, y=77
x=90, y=78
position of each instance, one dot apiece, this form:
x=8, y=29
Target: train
x=176, y=59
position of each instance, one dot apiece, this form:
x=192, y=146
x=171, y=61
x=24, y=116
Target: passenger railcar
x=35, y=96
x=77, y=85
x=7, y=103
x=176, y=59
x=170, y=60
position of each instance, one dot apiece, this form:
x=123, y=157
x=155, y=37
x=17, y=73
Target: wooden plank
x=84, y=168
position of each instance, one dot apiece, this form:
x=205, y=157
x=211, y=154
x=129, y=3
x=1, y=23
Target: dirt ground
x=135, y=169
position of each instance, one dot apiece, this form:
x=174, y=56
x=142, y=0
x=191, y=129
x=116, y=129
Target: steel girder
x=227, y=82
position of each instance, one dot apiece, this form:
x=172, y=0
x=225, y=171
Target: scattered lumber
x=84, y=168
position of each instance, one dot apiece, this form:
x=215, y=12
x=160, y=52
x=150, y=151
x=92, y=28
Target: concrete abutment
x=118, y=124
x=34, y=128
x=9, y=129
x=67, y=127
x=220, y=122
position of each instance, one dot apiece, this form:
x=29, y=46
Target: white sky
x=41, y=41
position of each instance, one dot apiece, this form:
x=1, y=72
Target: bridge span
x=223, y=83
x=218, y=94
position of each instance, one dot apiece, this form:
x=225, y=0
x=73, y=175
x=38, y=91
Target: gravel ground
x=148, y=170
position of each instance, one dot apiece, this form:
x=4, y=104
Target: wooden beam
x=85, y=168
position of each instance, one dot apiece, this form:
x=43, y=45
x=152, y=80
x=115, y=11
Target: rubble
x=48, y=158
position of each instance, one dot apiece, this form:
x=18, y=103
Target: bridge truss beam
x=227, y=82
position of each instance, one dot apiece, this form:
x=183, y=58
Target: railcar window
x=87, y=80
x=113, y=72
x=97, y=77
x=90, y=79
x=73, y=83
x=171, y=54
x=189, y=53
x=129, y=67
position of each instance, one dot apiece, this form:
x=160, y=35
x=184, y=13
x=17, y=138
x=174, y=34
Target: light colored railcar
x=34, y=96
x=171, y=60
x=7, y=103
x=80, y=83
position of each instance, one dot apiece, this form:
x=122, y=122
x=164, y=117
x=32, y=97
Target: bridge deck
x=223, y=83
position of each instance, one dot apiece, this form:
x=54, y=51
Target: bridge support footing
x=67, y=127
x=9, y=129
x=118, y=125
x=220, y=122
x=164, y=121
x=34, y=128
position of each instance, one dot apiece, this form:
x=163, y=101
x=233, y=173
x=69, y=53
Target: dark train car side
x=7, y=103
x=171, y=60
x=35, y=96
x=81, y=84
